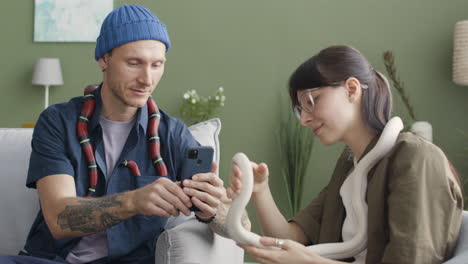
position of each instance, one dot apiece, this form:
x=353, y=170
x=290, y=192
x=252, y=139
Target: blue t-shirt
x=56, y=150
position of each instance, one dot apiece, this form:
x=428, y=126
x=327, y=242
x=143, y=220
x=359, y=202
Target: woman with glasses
x=403, y=206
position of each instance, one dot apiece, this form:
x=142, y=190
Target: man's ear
x=103, y=62
x=353, y=88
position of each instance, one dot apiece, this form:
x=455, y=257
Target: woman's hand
x=260, y=173
x=291, y=252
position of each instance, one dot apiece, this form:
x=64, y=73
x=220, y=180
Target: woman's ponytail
x=377, y=102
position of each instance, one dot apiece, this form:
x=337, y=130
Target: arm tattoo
x=218, y=225
x=91, y=215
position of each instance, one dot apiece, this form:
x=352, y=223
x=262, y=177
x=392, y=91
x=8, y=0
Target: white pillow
x=207, y=133
x=188, y=241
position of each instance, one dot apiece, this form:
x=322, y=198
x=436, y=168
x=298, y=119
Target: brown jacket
x=414, y=205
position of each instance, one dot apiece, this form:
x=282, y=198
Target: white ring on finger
x=279, y=243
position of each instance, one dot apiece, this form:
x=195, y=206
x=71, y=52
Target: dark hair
x=336, y=64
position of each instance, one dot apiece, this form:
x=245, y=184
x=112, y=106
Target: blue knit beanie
x=129, y=23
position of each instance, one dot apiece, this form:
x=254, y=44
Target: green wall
x=250, y=48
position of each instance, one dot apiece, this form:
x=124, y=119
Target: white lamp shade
x=47, y=71
x=460, y=53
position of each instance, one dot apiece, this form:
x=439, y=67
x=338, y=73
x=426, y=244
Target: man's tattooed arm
x=92, y=215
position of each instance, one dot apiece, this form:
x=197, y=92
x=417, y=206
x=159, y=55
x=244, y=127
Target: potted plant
x=196, y=108
x=295, y=150
x=422, y=128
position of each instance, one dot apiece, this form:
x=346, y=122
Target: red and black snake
x=87, y=147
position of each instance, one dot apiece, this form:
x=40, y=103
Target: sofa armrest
x=461, y=251
x=194, y=242
x=19, y=205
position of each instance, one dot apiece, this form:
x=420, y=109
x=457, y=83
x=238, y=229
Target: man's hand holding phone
x=163, y=197
x=204, y=187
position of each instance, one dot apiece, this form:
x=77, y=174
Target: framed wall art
x=69, y=20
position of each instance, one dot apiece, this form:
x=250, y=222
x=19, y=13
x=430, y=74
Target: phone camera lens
x=193, y=154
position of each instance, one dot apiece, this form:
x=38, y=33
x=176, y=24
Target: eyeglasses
x=307, y=102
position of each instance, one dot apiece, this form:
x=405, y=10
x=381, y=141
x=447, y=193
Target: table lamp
x=47, y=72
x=460, y=53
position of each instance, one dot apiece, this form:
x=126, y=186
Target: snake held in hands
x=358, y=178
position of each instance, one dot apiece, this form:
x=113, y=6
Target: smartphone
x=197, y=160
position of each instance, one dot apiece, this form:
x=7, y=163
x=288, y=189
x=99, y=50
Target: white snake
x=358, y=177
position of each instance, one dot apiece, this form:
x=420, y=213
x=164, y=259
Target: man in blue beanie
x=106, y=165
